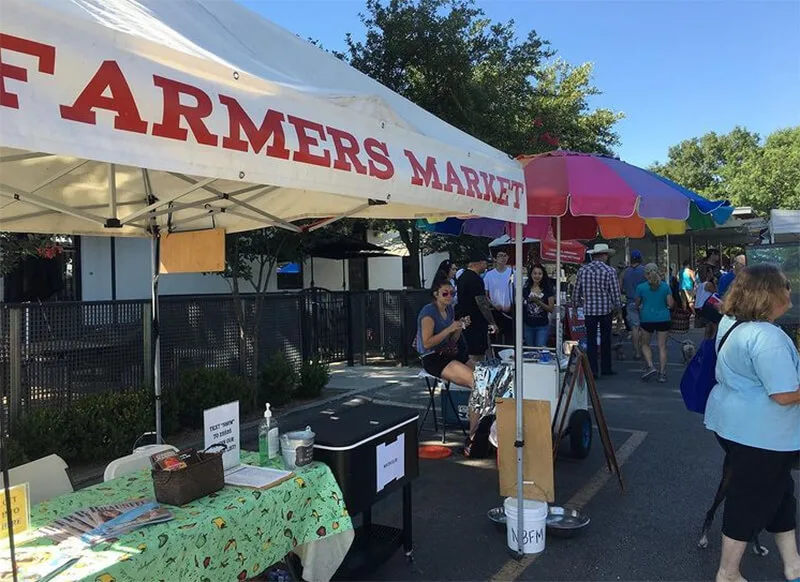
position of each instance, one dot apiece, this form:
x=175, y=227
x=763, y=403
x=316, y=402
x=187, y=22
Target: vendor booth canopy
x=119, y=116
x=596, y=194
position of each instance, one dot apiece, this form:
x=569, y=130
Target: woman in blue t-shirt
x=654, y=301
x=439, y=337
x=754, y=409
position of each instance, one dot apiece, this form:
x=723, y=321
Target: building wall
x=133, y=273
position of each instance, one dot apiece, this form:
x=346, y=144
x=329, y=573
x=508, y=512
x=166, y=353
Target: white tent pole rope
x=59, y=175
x=166, y=200
x=33, y=199
x=520, y=434
x=333, y=219
x=23, y=157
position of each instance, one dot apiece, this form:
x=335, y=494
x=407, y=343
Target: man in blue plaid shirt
x=597, y=291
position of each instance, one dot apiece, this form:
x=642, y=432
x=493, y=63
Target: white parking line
x=513, y=569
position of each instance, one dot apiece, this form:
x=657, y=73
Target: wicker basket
x=193, y=482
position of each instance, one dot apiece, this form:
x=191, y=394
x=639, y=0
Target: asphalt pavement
x=670, y=464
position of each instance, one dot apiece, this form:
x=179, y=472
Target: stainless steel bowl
x=497, y=515
x=564, y=522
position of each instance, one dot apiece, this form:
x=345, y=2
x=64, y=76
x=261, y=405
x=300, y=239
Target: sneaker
x=662, y=378
x=649, y=373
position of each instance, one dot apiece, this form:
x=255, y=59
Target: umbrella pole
x=519, y=442
x=559, y=306
x=666, y=256
x=155, y=247
x=627, y=251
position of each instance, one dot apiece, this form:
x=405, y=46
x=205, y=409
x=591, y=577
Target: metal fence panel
x=198, y=332
x=52, y=353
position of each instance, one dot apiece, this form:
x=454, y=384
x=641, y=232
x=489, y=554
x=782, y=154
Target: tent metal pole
x=112, y=190
x=520, y=433
x=155, y=331
x=155, y=246
x=666, y=256
x=559, y=305
x=7, y=496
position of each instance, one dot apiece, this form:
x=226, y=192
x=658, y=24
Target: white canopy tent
x=784, y=225
x=139, y=117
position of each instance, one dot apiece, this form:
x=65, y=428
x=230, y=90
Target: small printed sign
x=222, y=427
x=20, y=510
x=391, y=462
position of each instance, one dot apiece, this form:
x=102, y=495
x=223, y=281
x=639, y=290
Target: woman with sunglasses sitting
x=439, y=342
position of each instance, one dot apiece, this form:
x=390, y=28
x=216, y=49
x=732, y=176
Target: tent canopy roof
x=120, y=115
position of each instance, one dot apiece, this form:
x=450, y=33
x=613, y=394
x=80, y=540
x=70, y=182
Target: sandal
x=467, y=448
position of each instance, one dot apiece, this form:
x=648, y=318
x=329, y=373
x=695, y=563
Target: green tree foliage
x=450, y=59
x=770, y=178
x=739, y=167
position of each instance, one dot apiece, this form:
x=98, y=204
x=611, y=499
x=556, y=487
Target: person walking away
x=631, y=278
x=499, y=284
x=439, y=342
x=597, y=291
x=686, y=281
x=739, y=263
x=540, y=298
x=473, y=303
x=754, y=410
x=654, y=301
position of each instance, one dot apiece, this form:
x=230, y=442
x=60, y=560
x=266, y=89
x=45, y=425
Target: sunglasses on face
x=445, y=293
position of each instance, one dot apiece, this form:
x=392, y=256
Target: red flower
x=537, y=122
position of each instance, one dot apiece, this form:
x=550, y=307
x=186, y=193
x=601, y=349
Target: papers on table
x=256, y=477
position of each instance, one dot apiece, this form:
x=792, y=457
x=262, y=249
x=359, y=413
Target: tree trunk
x=411, y=238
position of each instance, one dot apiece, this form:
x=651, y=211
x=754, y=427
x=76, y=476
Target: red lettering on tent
x=380, y=165
x=257, y=137
x=347, y=149
x=518, y=189
x=453, y=180
x=305, y=142
x=173, y=110
x=427, y=176
x=108, y=78
x=488, y=183
x=472, y=179
x=45, y=54
x=504, y=186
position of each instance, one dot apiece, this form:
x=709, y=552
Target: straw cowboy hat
x=600, y=249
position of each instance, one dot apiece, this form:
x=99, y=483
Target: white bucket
x=535, y=520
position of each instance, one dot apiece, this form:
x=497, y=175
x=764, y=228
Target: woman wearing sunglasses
x=439, y=343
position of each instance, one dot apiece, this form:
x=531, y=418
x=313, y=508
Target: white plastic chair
x=138, y=460
x=46, y=477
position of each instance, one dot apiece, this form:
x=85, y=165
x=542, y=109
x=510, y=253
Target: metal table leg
x=407, y=532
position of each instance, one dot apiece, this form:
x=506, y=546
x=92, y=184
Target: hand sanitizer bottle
x=268, y=443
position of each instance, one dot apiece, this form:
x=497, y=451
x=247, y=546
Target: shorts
x=654, y=326
x=434, y=364
x=633, y=315
x=477, y=337
x=760, y=493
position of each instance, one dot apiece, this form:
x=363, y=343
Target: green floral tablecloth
x=233, y=534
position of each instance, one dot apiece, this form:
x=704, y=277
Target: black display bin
x=359, y=441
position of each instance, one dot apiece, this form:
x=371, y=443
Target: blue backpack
x=699, y=377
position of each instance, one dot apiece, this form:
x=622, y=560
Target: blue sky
x=677, y=69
